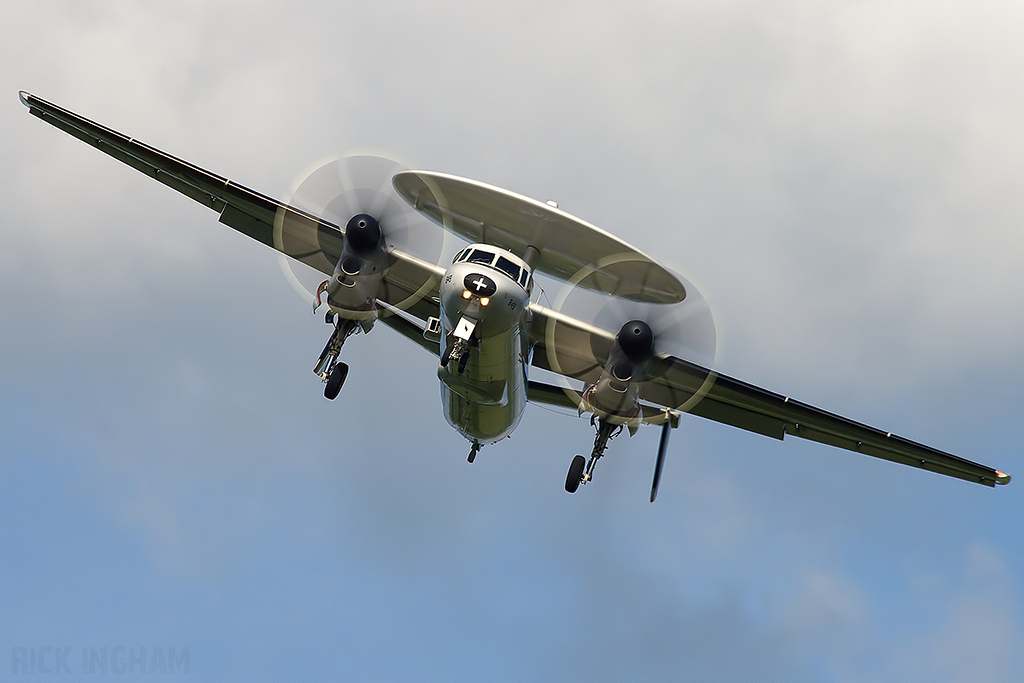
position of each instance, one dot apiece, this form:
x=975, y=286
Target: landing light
x=484, y=301
x=466, y=294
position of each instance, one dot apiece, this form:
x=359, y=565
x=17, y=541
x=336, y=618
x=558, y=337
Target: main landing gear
x=576, y=476
x=331, y=371
x=473, y=451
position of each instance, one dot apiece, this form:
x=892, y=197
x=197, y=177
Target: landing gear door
x=464, y=330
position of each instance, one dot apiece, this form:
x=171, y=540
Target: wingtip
x=1002, y=477
x=23, y=95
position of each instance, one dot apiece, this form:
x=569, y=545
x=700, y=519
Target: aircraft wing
x=679, y=385
x=309, y=239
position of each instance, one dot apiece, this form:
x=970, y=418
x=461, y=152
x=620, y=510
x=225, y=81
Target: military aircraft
x=637, y=353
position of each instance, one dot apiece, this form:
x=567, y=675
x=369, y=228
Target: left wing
x=688, y=387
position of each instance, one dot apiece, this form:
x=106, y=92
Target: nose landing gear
x=459, y=352
x=461, y=338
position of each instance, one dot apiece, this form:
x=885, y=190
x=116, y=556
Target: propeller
x=356, y=194
x=645, y=336
x=638, y=360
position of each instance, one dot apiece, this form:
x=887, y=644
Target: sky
x=841, y=180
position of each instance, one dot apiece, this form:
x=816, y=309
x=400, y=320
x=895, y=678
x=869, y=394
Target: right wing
x=300, y=235
x=249, y=212
x=687, y=387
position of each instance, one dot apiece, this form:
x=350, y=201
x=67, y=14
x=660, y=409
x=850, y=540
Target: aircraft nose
x=479, y=285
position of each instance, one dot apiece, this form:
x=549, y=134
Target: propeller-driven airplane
x=640, y=351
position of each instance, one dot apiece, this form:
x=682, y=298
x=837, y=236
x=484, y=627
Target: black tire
x=446, y=356
x=335, y=381
x=572, y=480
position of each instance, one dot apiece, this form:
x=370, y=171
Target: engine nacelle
x=616, y=394
x=353, y=287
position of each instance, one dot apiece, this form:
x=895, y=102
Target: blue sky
x=841, y=180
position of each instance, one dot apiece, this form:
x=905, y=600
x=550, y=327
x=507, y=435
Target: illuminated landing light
x=466, y=294
x=484, y=301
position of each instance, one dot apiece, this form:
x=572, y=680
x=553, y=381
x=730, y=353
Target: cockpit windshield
x=507, y=267
x=480, y=256
x=488, y=258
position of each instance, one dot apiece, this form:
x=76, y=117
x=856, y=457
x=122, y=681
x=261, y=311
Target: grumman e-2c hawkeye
x=370, y=229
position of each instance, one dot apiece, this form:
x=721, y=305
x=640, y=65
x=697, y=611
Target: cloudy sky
x=842, y=179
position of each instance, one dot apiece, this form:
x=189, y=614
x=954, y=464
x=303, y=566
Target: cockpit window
x=524, y=278
x=458, y=257
x=480, y=256
x=507, y=267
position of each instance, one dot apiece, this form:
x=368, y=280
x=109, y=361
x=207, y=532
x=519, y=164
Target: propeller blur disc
x=335, y=191
x=683, y=330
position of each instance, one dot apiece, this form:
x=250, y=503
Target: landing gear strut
x=576, y=476
x=330, y=370
x=473, y=451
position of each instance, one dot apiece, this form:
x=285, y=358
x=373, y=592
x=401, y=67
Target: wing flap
x=247, y=224
x=750, y=420
x=539, y=392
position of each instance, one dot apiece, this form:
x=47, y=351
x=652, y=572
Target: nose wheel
x=458, y=352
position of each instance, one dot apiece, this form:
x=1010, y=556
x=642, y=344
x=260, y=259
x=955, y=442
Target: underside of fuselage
x=486, y=402
x=484, y=351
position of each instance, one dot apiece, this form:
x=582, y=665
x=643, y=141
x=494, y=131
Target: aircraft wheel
x=335, y=381
x=446, y=356
x=572, y=480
